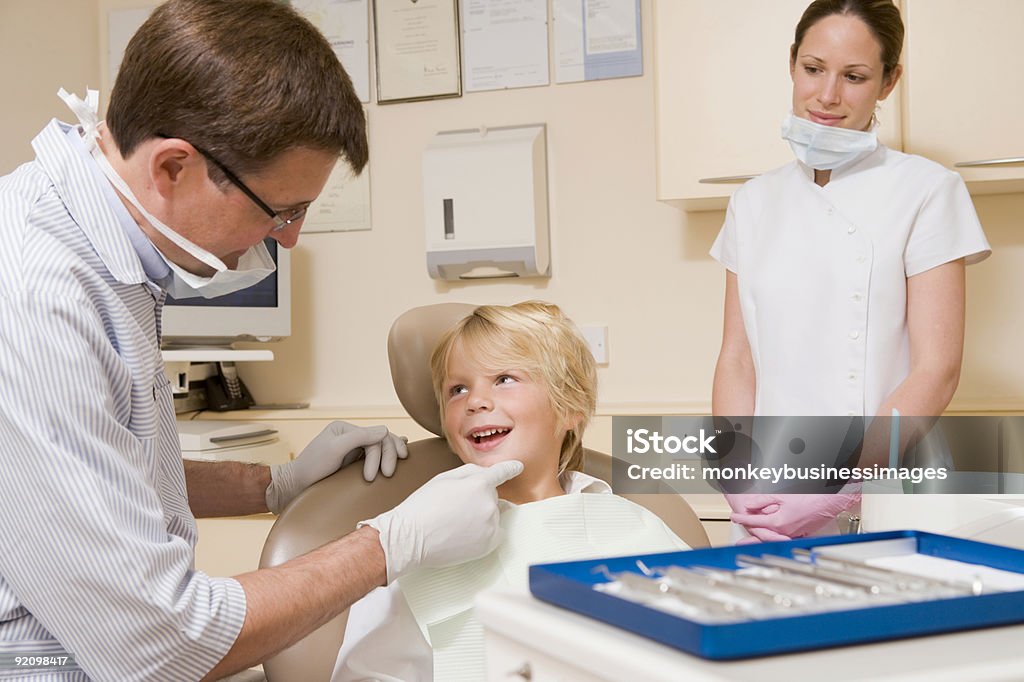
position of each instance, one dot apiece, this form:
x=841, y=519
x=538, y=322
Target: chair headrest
x=411, y=341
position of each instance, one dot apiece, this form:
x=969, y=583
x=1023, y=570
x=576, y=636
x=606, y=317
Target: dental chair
x=332, y=507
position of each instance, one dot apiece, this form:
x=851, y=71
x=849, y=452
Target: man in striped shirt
x=225, y=121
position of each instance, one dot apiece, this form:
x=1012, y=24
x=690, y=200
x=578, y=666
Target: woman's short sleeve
x=725, y=250
x=945, y=229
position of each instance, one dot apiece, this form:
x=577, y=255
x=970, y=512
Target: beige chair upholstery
x=411, y=342
x=331, y=508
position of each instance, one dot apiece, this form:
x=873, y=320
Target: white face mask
x=826, y=147
x=253, y=266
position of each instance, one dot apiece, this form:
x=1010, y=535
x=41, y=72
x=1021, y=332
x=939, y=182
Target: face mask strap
x=87, y=111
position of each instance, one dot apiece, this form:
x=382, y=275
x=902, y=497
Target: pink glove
x=783, y=517
x=761, y=535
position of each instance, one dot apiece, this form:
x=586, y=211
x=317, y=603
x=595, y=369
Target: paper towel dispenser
x=485, y=202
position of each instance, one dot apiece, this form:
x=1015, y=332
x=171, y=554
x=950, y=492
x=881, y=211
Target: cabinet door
x=965, y=88
x=722, y=89
x=232, y=545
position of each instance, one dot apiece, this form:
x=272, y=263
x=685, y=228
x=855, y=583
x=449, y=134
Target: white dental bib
x=564, y=528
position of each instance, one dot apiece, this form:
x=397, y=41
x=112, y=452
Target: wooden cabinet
x=722, y=90
x=230, y=546
x=964, y=88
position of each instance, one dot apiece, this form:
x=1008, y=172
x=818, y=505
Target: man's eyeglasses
x=281, y=220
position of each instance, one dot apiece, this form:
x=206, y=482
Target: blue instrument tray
x=571, y=586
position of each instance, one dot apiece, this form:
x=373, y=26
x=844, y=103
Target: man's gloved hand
x=783, y=517
x=452, y=518
x=337, y=446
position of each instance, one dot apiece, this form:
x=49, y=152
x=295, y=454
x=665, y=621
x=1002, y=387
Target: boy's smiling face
x=495, y=415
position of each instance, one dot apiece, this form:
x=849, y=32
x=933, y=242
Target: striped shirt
x=96, y=537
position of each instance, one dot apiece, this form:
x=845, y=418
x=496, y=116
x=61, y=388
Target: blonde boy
x=513, y=382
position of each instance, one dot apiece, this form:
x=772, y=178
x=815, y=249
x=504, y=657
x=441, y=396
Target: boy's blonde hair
x=538, y=338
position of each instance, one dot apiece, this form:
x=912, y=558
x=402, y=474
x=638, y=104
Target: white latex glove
x=451, y=519
x=336, y=446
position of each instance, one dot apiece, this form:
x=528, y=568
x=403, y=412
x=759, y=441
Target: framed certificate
x=417, y=43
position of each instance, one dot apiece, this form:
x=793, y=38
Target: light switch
x=596, y=337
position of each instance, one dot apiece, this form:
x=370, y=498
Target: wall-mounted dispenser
x=485, y=202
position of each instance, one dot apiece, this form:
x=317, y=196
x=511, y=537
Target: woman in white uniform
x=845, y=268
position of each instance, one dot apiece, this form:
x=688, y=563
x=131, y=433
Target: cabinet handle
x=727, y=179
x=524, y=672
x=990, y=162
x=241, y=436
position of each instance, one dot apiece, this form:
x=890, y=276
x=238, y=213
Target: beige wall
x=619, y=257
x=44, y=45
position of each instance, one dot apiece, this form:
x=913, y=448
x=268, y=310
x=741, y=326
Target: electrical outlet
x=596, y=337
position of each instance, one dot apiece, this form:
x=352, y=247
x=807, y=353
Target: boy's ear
x=573, y=421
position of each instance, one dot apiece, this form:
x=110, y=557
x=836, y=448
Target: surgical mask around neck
x=826, y=147
x=254, y=265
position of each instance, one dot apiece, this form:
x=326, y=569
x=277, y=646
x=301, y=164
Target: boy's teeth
x=489, y=432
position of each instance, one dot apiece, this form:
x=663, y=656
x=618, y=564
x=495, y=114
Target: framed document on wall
x=417, y=44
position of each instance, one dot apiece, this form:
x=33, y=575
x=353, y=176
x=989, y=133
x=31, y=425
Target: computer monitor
x=263, y=312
